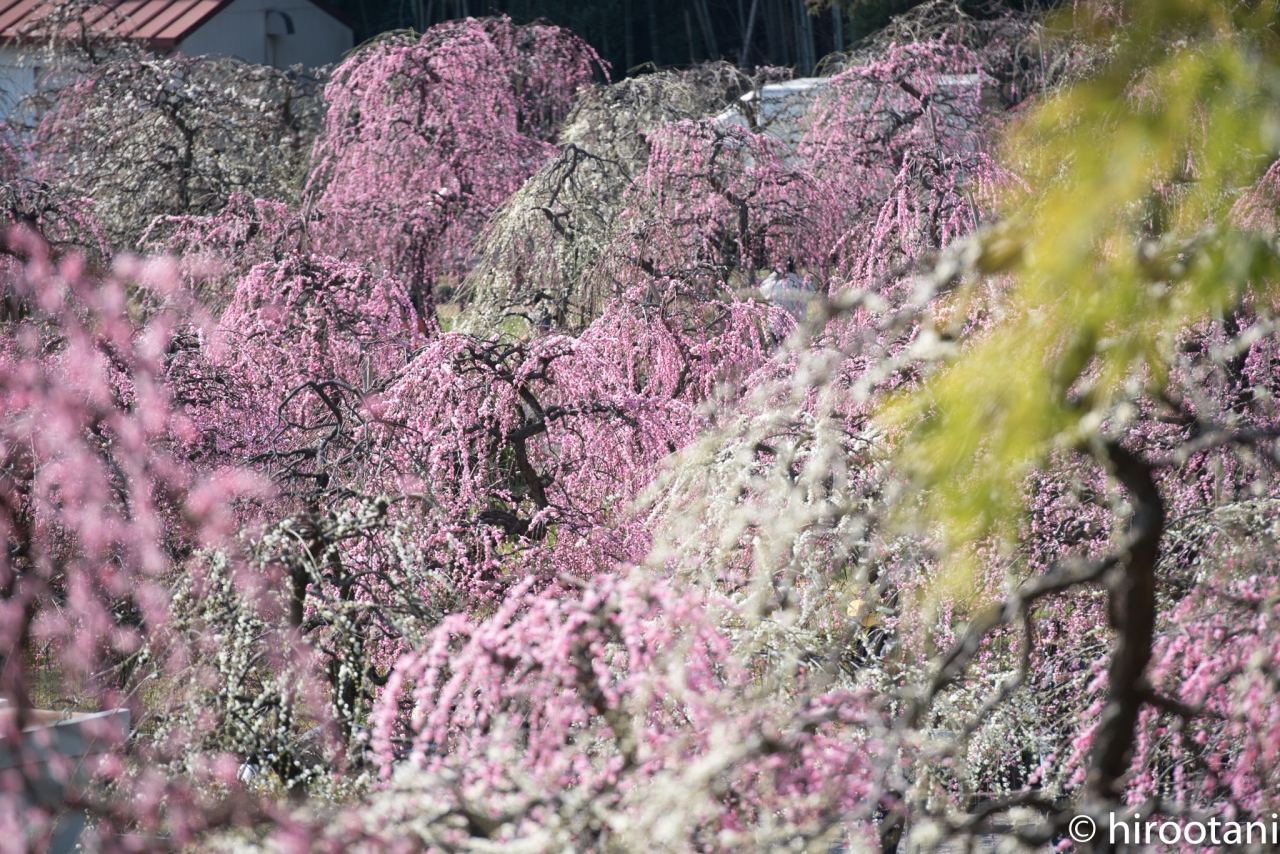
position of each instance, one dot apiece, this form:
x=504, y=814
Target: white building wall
x=240, y=30
x=25, y=70
x=17, y=77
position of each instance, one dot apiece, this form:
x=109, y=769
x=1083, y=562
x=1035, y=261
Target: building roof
x=162, y=24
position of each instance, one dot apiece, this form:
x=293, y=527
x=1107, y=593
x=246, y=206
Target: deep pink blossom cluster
x=899, y=144
x=614, y=696
x=483, y=96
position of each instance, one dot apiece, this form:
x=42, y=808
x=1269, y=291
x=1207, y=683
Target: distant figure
x=788, y=292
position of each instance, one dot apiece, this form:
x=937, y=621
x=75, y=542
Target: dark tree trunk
x=1132, y=613
x=802, y=27
x=688, y=32
x=654, y=55
x=774, y=33
x=745, y=55
x=628, y=37
x=603, y=19
x=708, y=30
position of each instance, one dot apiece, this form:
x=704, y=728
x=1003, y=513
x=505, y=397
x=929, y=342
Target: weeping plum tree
x=539, y=254
x=425, y=136
x=146, y=137
x=900, y=141
x=308, y=337
x=1020, y=52
x=714, y=199
x=672, y=717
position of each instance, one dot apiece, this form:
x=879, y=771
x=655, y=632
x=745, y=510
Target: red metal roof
x=162, y=24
